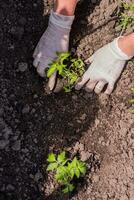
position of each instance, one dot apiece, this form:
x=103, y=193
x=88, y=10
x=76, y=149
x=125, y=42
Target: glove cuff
x=62, y=21
x=117, y=51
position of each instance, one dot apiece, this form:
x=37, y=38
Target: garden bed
x=33, y=123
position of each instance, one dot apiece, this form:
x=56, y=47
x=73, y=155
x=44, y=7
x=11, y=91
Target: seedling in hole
x=66, y=170
x=69, y=69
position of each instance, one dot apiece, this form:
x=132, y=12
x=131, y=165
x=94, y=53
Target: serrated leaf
x=77, y=172
x=61, y=157
x=72, y=173
x=59, y=178
x=62, y=175
x=52, y=166
x=68, y=188
x=63, y=170
x=74, y=162
x=63, y=163
x=51, y=157
x=65, y=190
x=71, y=170
x=69, y=166
x=82, y=167
x=71, y=187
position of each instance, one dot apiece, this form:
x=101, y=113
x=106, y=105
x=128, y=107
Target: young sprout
x=66, y=170
x=68, y=68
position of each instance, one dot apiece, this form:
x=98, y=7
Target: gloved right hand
x=55, y=39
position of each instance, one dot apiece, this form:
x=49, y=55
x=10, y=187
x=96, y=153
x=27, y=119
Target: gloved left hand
x=106, y=66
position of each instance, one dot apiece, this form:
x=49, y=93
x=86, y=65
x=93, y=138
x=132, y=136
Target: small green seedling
x=131, y=100
x=66, y=170
x=126, y=16
x=68, y=68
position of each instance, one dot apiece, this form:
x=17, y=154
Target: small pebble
x=22, y=67
x=85, y=155
x=10, y=187
x=17, y=145
x=38, y=176
x=3, y=143
x=95, y=178
x=26, y=109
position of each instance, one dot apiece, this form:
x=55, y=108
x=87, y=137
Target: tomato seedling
x=66, y=170
x=68, y=68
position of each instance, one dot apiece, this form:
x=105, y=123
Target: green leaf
x=62, y=56
x=62, y=170
x=51, y=70
x=61, y=157
x=71, y=187
x=52, y=166
x=71, y=170
x=59, y=178
x=74, y=162
x=79, y=167
x=72, y=173
x=62, y=175
x=132, y=111
x=74, y=168
x=67, y=89
x=60, y=68
x=51, y=157
x=132, y=89
x=65, y=190
x=68, y=188
x=131, y=100
x=77, y=172
x=69, y=69
x=82, y=167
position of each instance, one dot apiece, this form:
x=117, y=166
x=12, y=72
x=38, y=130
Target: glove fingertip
x=83, y=81
x=35, y=63
x=51, y=82
x=109, y=89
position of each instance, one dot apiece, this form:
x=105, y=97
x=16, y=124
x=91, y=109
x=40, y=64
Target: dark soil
x=33, y=123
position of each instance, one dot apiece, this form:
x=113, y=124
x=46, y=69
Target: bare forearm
x=65, y=7
x=126, y=44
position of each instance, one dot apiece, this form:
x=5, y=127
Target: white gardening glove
x=55, y=39
x=106, y=66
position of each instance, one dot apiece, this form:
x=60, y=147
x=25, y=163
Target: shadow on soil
x=51, y=121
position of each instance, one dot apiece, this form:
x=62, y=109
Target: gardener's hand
x=106, y=66
x=55, y=39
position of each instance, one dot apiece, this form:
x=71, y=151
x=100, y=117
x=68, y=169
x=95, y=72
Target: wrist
x=65, y=7
x=61, y=20
x=126, y=44
x=117, y=51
